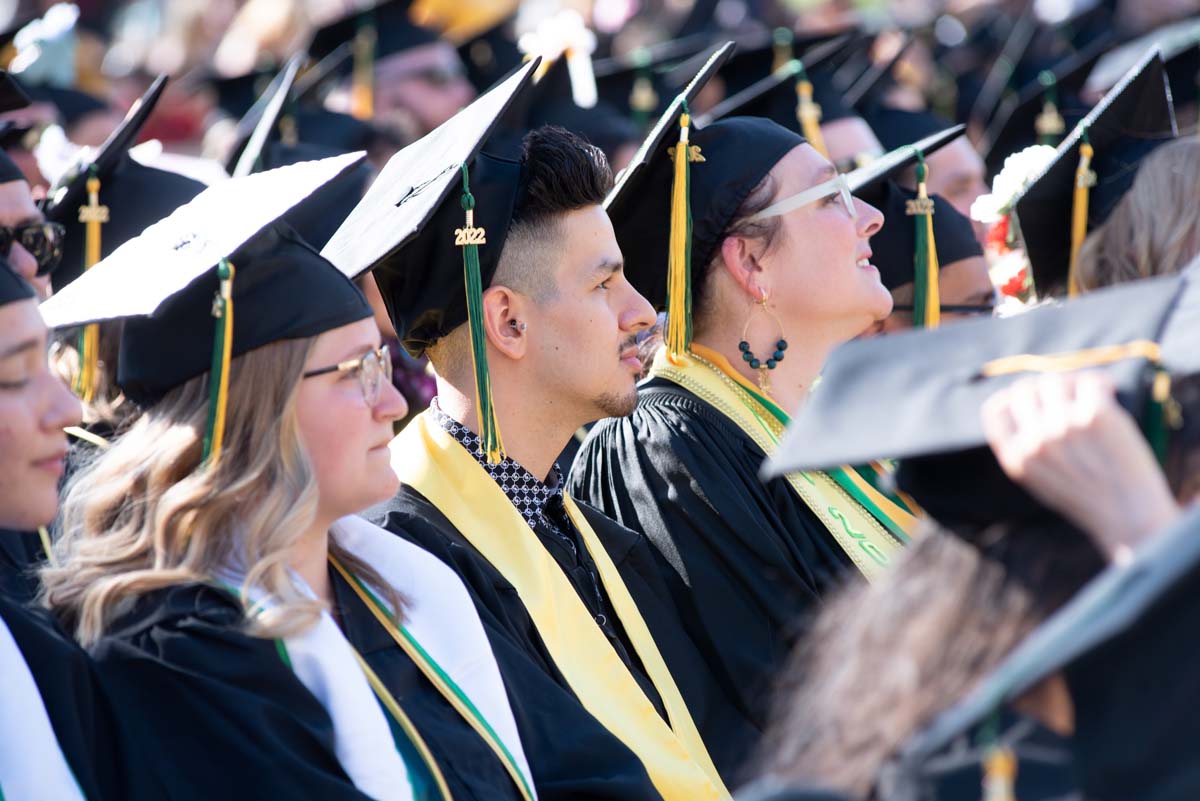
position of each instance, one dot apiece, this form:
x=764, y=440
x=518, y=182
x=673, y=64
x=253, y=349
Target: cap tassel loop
x=469, y=238
x=679, y=257
x=218, y=382
x=362, y=89
x=1085, y=179
x=927, y=302
x=809, y=113
x=93, y=215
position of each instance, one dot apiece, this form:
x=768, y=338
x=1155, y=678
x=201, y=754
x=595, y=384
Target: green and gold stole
x=869, y=525
x=434, y=464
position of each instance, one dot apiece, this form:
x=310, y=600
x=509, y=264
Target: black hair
x=563, y=173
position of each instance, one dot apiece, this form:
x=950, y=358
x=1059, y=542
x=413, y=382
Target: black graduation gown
x=571, y=754
x=209, y=712
x=21, y=554
x=470, y=767
x=744, y=560
x=82, y=720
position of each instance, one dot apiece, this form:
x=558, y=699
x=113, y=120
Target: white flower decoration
x=1019, y=169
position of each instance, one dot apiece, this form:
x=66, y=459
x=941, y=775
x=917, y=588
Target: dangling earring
x=763, y=366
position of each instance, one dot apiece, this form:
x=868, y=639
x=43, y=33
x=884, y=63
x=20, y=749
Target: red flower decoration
x=1014, y=286
x=997, y=235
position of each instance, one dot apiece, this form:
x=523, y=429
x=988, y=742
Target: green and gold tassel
x=1162, y=417
x=469, y=238
x=218, y=380
x=643, y=100
x=93, y=215
x=784, y=48
x=927, y=303
x=362, y=88
x=808, y=112
x=1085, y=179
x=679, y=256
x=1049, y=125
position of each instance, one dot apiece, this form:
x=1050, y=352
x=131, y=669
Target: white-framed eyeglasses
x=836, y=185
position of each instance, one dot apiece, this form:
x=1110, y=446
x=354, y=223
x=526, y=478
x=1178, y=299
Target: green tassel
x=218, y=379
x=1163, y=416
x=926, y=300
x=470, y=237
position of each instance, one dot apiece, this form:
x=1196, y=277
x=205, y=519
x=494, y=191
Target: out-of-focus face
x=820, y=266
x=957, y=173
x=35, y=406
x=850, y=142
x=345, y=437
x=426, y=82
x=582, y=338
x=965, y=290
x=17, y=208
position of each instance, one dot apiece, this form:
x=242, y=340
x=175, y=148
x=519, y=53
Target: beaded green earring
x=763, y=366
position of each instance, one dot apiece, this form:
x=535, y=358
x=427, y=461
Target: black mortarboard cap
x=165, y=281
x=893, y=245
x=134, y=194
x=9, y=171
x=394, y=30
x=13, y=287
x=896, y=127
x=491, y=54
x=259, y=123
x=1130, y=122
x=1024, y=119
x=640, y=83
x=72, y=104
x=317, y=217
x=869, y=87
x=12, y=96
x=934, y=424
x=1015, y=49
x=1179, y=44
x=237, y=94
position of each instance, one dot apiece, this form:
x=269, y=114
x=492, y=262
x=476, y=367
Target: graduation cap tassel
x=809, y=113
x=1049, y=125
x=1162, y=417
x=679, y=256
x=92, y=215
x=362, y=89
x=927, y=301
x=1085, y=179
x=469, y=238
x=643, y=99
x=218, y=381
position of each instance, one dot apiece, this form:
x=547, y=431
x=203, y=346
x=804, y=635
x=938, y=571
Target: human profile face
x=35, y=406
x=583, y=347
x=818, y=268
x=345, y=437
x=426, y=82
x=17, y=208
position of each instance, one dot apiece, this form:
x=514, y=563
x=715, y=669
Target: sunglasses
x=834, y=186
x=374, y=370
x=43, y=240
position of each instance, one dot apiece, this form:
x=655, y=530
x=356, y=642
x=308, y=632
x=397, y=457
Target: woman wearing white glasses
x=780, y=275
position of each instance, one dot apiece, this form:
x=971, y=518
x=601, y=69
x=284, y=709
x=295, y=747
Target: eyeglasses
x=374, y=370
x=43, y=240
x=836, y=185
x=965, y=309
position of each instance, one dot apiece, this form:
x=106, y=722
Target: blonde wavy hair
x=146, y=514
x=1155, y=228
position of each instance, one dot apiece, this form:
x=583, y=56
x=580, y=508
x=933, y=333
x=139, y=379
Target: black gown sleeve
x=743, y=560
x=21, y=554
x=206, y=711
x=571, y=755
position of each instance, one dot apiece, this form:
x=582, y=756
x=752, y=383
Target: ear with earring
x=516, y=325
x=763, y=366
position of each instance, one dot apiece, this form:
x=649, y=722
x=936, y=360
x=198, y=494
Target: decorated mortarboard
x=1180, y=47
x=1091, y=170
x=375, y=33
x=786, y=96
x=935, y=427
x=13, y=287
x=431, y=229
x=178, y=284
x=1040, y=112
x=491, y=54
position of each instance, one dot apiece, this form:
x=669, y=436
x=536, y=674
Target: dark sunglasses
x=43, y=240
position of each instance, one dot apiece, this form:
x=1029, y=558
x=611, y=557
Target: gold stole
x=868, y=544
x=433, y=463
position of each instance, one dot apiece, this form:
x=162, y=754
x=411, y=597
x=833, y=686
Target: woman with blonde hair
x=211, y=561
x=1155, y=228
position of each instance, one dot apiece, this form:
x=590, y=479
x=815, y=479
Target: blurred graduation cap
x=1092, y=169
x=788, y=96
x=13, y=287
x=491, y=54
x=896, y=127
x=1123, y=626
x=237, y=94
x=999, y=76
x=411, y=230
x=375, y=33
x=106, y=197
x=640, y=83
x=877, y=79
x=177, y=286
x=937, y=382
x=1041, y=111
x=72, y=105
x=1180, y=47
x=12, y=96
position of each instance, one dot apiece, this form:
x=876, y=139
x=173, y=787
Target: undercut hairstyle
x=563, y=173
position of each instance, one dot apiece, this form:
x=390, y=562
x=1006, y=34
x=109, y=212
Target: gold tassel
x=679, y=290
x=784, y=48
x=809, y=114
x=1085, y=179
x=362, y=90
x=93, y=215
x=999, y=774
x=927, y=302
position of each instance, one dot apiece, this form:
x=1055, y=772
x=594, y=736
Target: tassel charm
x=1049, y=125
x=679, y=255
x=218, y=381
x=999, y=774
x=927, y=302
x=809, y=113
x=469, y=238
x=1085, y=179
